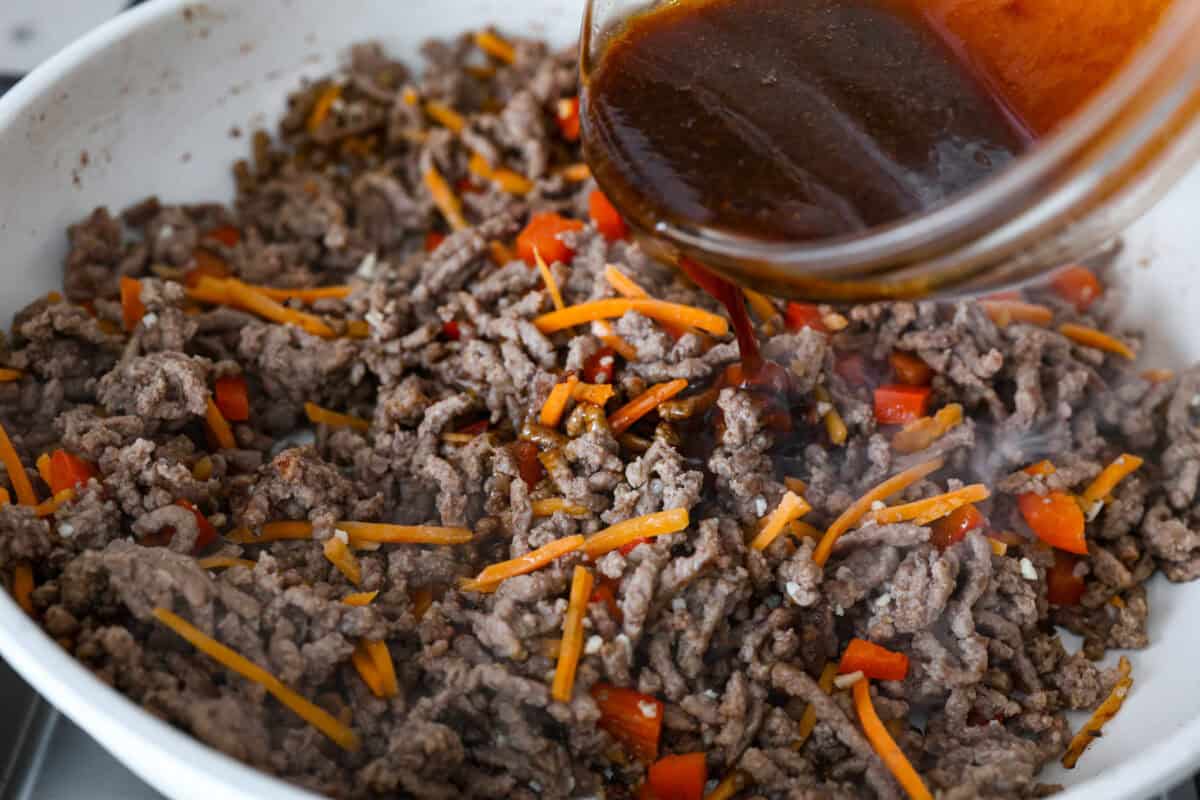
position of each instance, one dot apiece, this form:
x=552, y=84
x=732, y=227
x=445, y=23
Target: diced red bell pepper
x=804, y=315
x=132, y=308
x=606, y=593
x=899, y=405
x=567, y=115
x=632, y=718
x=451, y=331
x=1056, y=519
x=433, y=240
x=874, y=661
x=629, y=547
x=541, y=235
x=600, y=366
x=232, y=397
x=910, y=369
x=954, y=527
x=528, y=465
x=227, y=235
x=68, y=471
x=608, y=220
x=1041, y=468
x=680, y=777
x=1077, y=285
x=208, y=534
x=1063, y=586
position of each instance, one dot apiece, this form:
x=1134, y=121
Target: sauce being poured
x=793, y=120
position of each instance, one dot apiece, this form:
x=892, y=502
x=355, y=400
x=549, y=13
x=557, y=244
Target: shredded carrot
x=809, y=719
x=557, y=505
x=803, y=530
x=998, y=548
x=576, y=173
x=1107, y=480
x=47, y=507
x=224, y=562
x=304, y=295
x=1092, y=729
x=1153, y=375
x=572, y=641
x=444, y=198
x=43, y=469
x=251, y=300
x=493, y=576
x=1116, y=601
x=624, y=417
x=556, y=403
x=501, y=254
x=403, y=534
x=323, y=416
x=421, y=599
x=10, y=375
x=321, y=108
x=889, y=752
x=338, y=553
x=4, y=498
x=16, y=471
x=364, y=664
x=923, y=512
x=384, y=666
x=495, y=46
x=763, y=308
x=548, y=278
x=672, y=313
x=22, y=586
x=630, y=530
x=360, y=599
x=1098, y=340
x=796, y=485
x=894, y=485
x=610, y=338
x=920, y=434
x=835, y=426
x=1006, y=312
x=410, y=96
x=358, y=329
x=318, y=717
x=219, y=426
x=622, y=284
x=508, y=181
x=733, y=783
x=445, y=116
x=595, y=393
x=790, y=508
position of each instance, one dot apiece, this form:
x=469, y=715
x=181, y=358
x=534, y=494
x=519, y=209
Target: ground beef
x=442, y=374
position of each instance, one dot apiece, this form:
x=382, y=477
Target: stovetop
x=43, y=755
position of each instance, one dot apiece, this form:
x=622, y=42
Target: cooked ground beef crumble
x=730, y=639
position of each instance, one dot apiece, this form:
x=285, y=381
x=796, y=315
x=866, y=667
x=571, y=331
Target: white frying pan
x=151, y=98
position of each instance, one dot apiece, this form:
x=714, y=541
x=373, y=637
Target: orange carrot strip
x=917, y=436
x=323, y=416
x=304, y=295
x=1107, y=480
x=358, y=329
x=4, y=498
x=894, y=485
x=728, y=788
x=10, y=375
x=576, y=173
x=446, y=116
x=548, y=279
x=763, y=308
x=252, y=300
x=322, y=106
x=622, y=348
x=556, y=403
x=219, y=426
x=43, y=469
x=360, y=599
x=493, y=576
x=790, y=508
x=1006, y=312
x=889, y=752
x=384, y=666
x=923, y=512
x=1097, y=340
x=367, y=669
x=16, y=471
x=421, y=600
x=572, y=640
x=338, y=553
x=595, y=393
x=835, y=426
x=808, y=720
x=612, y=308
x=403, y=534
x=22, y=587
x=224, y=562
x=47, y=507
x=624, y=417
x=318, y=717
x=557, y=505
x=495, y=46
x=444, y=198
x=622, y=284
x=1092, y=729
x=630, y=530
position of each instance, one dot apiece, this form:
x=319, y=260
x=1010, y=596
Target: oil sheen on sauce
x=795, y=120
